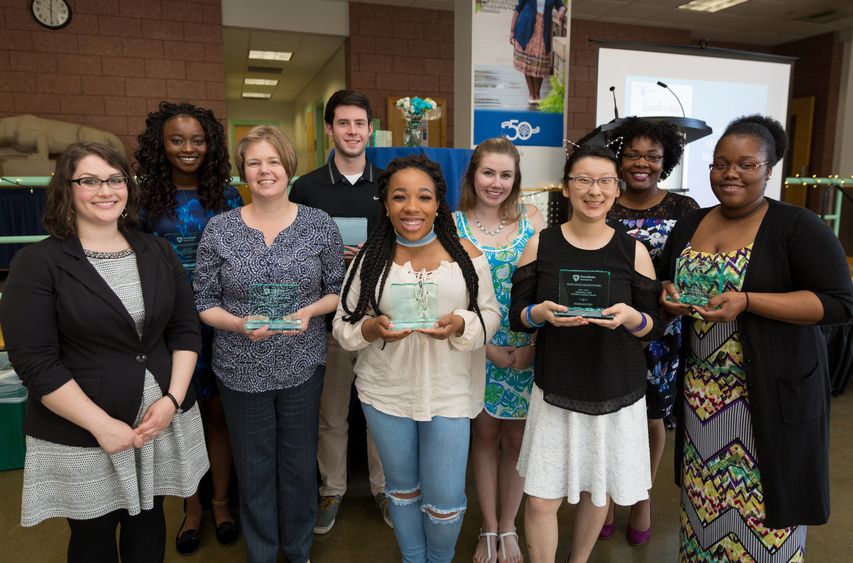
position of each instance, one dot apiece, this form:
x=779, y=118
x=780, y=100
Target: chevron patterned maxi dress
x=722, y=504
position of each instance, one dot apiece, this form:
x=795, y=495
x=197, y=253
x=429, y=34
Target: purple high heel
x=637, y=537
x=607, y=530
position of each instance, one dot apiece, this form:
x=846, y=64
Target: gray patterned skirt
x=86, y=482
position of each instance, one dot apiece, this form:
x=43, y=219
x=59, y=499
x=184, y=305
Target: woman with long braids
x=420, y=388
x=184, y=174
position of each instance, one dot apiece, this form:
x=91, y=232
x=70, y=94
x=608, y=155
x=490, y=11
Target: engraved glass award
x=413, y=305
x=271, y=304
x=585, y=293
x=695, y=283
x=185, y=246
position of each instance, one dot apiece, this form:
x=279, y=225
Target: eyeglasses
x=739, y=167
x=605, y=183
x=635, y=156
x=90, y=183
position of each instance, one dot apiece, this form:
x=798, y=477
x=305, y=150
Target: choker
x=427, y=238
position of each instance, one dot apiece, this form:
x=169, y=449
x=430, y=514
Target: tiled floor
x=361, y=536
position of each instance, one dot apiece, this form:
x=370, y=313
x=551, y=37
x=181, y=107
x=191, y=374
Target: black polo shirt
x=327, y=189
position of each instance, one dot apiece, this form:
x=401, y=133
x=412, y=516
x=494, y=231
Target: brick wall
x=817, y=73
x=397, y=51
x=113, y=63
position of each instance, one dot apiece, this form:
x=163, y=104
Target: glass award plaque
x=413, y=305
x=696, y=287
x=270, y=304
x=185, y=246
x=353, y=229
x=585, y=293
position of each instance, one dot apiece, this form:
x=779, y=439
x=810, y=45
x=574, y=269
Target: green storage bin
x=12, y=445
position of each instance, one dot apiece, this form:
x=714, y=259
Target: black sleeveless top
x=588, y=369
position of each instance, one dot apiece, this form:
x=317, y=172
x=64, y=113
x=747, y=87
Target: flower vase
x=413, y=134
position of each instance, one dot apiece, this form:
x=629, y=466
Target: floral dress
x=507, y=389
x=652, y=227
x=722, y=502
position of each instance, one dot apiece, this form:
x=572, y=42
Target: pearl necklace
x=487, y=231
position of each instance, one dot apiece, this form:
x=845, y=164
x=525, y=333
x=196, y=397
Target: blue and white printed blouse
x=231, y=257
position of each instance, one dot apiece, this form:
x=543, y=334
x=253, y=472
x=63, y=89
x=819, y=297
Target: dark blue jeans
x=274, y=438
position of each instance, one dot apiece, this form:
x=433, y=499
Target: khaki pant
x=334, y=428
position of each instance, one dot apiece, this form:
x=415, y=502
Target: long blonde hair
x=467, y=193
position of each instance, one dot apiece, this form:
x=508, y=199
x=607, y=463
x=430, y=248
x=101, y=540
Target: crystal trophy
x=271, y=304
x=413, y=305
x=585, y=293
x=185, y=246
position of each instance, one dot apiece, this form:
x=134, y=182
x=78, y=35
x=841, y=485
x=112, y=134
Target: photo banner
x=520, y=74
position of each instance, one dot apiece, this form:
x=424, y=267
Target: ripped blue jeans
x=424, y=465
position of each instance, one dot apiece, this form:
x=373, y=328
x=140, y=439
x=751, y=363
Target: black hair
x=590, y=152
x=159, y=194
x=665, y=134
x=377, y=255
x=347, y=98
x=770, y=132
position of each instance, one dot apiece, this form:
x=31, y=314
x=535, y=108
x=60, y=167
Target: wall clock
x=53, y=14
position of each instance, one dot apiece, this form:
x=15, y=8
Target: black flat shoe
x=187, y=541
x=227, y=531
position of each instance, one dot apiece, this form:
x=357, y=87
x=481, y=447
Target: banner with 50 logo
x=523, y=128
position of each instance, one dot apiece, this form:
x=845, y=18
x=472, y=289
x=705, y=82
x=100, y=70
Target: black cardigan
x=785, y=364
x=62, y=321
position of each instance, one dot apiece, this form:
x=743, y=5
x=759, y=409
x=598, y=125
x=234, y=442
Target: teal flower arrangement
x=416, y=110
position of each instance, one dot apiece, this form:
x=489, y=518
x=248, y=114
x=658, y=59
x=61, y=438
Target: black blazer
x=786, y=366
x=62, y=321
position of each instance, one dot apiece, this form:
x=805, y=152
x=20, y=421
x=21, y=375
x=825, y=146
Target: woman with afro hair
x=419, y=388
x=650, y=151
x=184, y=177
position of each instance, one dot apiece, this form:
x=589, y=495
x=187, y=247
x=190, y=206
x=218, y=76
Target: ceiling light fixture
x=710, y=6
x=260, y=82
x=257, y=95
x=270, y=55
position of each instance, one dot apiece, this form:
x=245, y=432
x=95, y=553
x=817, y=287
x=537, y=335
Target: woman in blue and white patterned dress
x=491, y=217
x=270, y=380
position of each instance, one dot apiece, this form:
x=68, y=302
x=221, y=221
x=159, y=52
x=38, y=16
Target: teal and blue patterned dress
x=183, y=231
x=507, y=389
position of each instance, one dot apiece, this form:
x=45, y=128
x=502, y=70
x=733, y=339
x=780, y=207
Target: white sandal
x=488, y=535
x=501, y=537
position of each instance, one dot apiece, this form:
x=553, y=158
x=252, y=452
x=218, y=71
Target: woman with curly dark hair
x=419, y=387
x=184, y=174
x=650, y=151
x=752, y=445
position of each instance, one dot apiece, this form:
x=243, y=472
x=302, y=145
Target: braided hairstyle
x=155, y=173
x=770, y=132
x=377, y=255
x=665, y=134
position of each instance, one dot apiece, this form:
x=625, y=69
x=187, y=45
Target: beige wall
x=329, y=79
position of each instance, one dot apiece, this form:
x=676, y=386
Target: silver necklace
x=487, y=231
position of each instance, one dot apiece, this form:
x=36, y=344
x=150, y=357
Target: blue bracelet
x=639, y=328
x=530, y=320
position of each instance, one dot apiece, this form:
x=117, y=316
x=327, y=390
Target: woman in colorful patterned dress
x=184, y=175
x=649, y=152
x=530, y=37
x=491, y=217
x=753, y=439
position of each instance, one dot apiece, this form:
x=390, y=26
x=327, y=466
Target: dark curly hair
x=666, y=134
x=375, y=258
x=770, y=132
x=155, y=174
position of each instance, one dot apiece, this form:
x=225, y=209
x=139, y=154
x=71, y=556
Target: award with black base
x=585, y=293
x=696, y=287
x=270, y=304
x=413, y=305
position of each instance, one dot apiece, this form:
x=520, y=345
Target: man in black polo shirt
x=345, y=188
